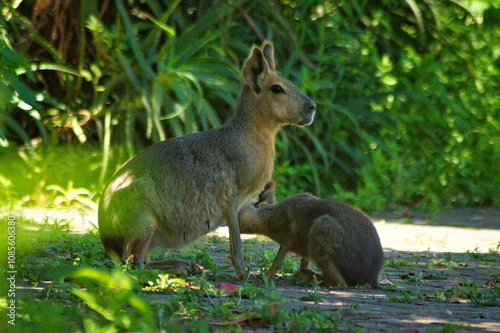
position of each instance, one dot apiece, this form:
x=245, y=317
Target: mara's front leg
x=236, y=248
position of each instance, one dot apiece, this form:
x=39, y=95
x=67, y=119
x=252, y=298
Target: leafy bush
x=406, y=90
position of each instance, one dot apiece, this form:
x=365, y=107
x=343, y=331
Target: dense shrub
x=407, y=91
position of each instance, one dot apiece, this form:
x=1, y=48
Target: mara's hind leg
x=331, y=275
x=169, y=266
x=140, y=243
x=306, y=274
x=304, y=263
x=136, y=248
x=326, y=241
x=113, y=246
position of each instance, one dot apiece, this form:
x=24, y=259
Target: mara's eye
x=277, y=89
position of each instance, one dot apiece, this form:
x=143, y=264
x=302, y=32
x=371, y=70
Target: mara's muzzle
x=307, y=113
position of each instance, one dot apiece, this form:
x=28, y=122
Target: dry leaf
x=493, y=281
x=386, y=282
x=274, y=308
x=228, y=287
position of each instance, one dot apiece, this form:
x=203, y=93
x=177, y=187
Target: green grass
x=92, y=293
x=475, y=294
x=397, y=264
x=406, y=297
x=490, y=258
x=445, y=262
x=91, y=296
x=451, y=328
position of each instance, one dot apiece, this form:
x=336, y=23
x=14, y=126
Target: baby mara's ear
x=266, y=196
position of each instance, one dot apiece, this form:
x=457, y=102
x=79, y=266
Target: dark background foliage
x=407, y=93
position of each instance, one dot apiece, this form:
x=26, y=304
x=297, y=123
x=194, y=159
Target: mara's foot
x=307, y=275
x=176, y=267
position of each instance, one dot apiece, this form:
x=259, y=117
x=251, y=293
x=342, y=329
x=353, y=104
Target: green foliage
x=397, y=264
x=476, y=294
x=13, y=90
x=45, y=316
x=59, y=176
x=49, y=248
x=68, y=196
x=405, y=113
x=448, y=128
x=405, y=298
x=451, y=328
x=108, y=294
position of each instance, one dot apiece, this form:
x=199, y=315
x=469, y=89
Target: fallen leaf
x=228, y=287
x=274, y=308
x=386, y=282
x=493, y=281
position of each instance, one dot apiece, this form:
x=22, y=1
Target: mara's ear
x=266, y=196
x=268, y=51
x=255, y=69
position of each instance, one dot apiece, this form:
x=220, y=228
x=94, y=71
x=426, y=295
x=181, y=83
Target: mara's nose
x=307, y=113
x=312, y=106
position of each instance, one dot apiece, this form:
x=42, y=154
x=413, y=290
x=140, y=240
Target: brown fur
x=179, y=189
x=339, y=239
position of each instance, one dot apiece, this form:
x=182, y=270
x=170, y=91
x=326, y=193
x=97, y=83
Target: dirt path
x=432, y=274
x=444, y=273
x=433, y=267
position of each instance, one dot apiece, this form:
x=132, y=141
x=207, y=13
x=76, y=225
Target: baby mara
x=341, y=240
